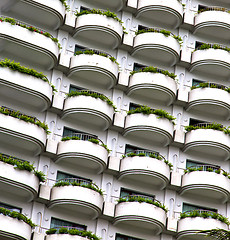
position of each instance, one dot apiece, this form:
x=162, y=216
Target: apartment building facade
x=114, y=119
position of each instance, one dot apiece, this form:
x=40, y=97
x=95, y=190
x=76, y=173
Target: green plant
x=67, y=8
x=91, y=52
x=30, y=28
x=155, y=70
x=74, y=183
x=163, y=31
x=23, y=117
x=29, y=71
x=205, y=214
x=92, y=94
x=104, y=13
x=214, y=126
x=90, y=140
x=142, y=199
x=19, y=216
x=210, y=85
x=87, y=234
x=147, y=111
x=205, y=46
x=22, y=165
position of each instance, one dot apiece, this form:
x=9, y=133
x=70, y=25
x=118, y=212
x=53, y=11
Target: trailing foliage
x=219, y=234
x=214, y=9
x=29, y=71
x=214, y=126
x=91, y=52
x=12, y=21
x=96, y=141
x=142, y=199
x=87, y=234
x=25, y=118
x=74, y=183
x=163, y=31
x=22, y=165
x=147, y=111
x=151, y=155
x=205, y=214
x=104, y=13
x=19, y=216
x=217, y=171
x=67, y=8
x=92, y=94
x=210, y=85
x=205, y=46
x=155, y=70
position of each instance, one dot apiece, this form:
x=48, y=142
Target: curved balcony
x=212, y=101
x=149, y=167
x=189, y=227
x=89, y=110
x=140, y=216
x=20, y=183
x=154, y=46
x=213, y=23
x=116, y=5
x=149, y=127
x=94, y=69
x=105, y=30
x=20, y=134
x=204, y=183
x=82, y=153
x=52, y=12
x=12, y=228
x=154, y=86
x=28, y=90
x=215, y=62
x=169, y=13
x=77, y=198
x=32, y=46
x=209, y=142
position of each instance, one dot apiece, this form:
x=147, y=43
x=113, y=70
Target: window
x=56, y=223
x=141, y=27
x=196, y=82
x=123, y=237
x=129, y=148
x=62, y=175
x=193, y=121
x=127, y=192
x=75, y=88
x=189, y=207
x=138, y=66
x=79, y=48
x=68, y=132
x=201, y=7
x=198, y=44
x=10, y=207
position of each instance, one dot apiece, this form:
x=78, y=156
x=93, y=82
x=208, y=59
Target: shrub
x=92, y=94
x=91, y=52
x=21, y=165
x=205, y=46
x=19, y=216
x=155, y=70
x=142, y=199
x=210, y=85
x=23, y=117
x=30, y=28
x=147, y=111
x=104, y=13
x=29, y=71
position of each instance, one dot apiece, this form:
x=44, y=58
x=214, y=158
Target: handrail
x=214, y=9
x=98, y=52
x=91, y=92
x=205, y=167
x=158, y=30
x=78, y=181
x=205, y=125
x=213, y=85
x=146, y=152
x=213, y=46
x=139, y=195
x=15, y=158
x=199, y=211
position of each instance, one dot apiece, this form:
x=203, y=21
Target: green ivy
x=21, y=165
x=147, y=111
x=96, y=141
x=197, y=213
x=214, y=9
x=74, y=183
x=155, y=70
x=12, y=21
x=104, y=13
x=205, y=46
x=67, y=8
x=29, y=71
x=19, y=216
x=214, y=126
x=91, y=52
x=92, y=94
x=25, y=118
x=87, y=234
x=152, y=155
x=163, y=31
x=142, y=199
x=208, y=85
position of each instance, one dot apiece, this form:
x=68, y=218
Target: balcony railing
x=206, y=125
x=94, y=51
x=135, y=197
x=82, y=136
x=210, y=85
x=145, y=153
x=214, y=9
x=206, y=168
